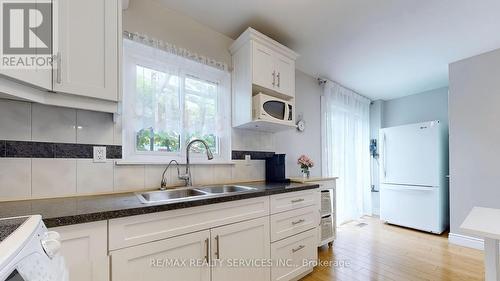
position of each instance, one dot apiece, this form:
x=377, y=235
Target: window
x=170, y=100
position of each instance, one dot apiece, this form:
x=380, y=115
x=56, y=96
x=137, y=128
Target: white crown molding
x=252, y=34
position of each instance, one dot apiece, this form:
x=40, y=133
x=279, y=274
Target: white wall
x=474, y=135
x=156, y=20
x=421, y=107
x=294, y=143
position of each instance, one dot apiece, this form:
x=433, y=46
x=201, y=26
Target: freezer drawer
x=416, y=207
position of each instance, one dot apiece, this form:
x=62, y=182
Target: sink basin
x=225, y=189
x=186, y=194
x=170, y=195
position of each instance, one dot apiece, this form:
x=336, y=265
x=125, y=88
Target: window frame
x=137, y=54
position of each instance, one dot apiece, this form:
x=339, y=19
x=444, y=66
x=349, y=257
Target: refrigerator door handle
x=417, y=188
x=384, y=163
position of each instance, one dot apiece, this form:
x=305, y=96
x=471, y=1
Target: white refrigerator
x=413, y=176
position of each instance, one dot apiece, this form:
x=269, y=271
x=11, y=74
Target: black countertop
x=75, y=210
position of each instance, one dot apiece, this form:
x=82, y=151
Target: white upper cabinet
x=285, y=75
x=264, y=65
x=264, y=73
x=260, y=65
x=87, y=54
x=85, y=37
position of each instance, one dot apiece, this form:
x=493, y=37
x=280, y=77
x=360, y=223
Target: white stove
x=28, y=251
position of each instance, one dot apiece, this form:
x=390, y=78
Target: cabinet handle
x=274, y=78
x=207, y=252
x=297, y=222
x=278, y=79
x=217, y=252
x=298, y=248
x=297, y=200
x=58, y=70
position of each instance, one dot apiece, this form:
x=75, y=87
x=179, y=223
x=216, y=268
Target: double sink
x=186, y=194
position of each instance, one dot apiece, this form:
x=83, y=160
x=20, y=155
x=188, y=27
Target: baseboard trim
x=466, y=241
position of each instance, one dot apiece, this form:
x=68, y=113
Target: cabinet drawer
x=292, y=222
x=130, y=231
x=294, y=250
x=293, y=200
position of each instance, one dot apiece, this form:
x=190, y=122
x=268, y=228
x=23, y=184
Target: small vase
x=305, y=173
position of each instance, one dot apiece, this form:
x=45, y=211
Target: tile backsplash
x=44, y=152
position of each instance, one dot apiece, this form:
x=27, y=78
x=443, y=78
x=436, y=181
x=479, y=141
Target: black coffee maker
x=275, y=169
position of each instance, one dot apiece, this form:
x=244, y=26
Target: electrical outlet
x=247, y=159
x=99, y=154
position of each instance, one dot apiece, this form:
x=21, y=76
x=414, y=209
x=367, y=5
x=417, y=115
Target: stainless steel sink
x=187, y=194
x=170, y=195
x=225, y=189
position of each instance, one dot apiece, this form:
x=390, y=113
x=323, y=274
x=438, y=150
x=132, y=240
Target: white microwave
x=268, y=108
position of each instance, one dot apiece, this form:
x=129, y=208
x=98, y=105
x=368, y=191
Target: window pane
x=157, y=111
x=200, y=111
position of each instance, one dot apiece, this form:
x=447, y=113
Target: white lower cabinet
x=85, y=250
x=186, y=257
x=296, y=255
x=237, y=246
x=168, y=259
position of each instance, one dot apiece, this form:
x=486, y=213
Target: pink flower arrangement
x=305, y=162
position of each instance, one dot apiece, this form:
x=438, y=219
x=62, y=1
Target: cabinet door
x=39, y=76
x=285, y=75
x=169, y=259
x=85, y=250
x=245, y=241
x=86, y=33
x=264, y=74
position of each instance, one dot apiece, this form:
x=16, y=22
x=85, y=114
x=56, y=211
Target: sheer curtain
x=345, y=149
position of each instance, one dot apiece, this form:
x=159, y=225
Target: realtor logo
x=26, y=34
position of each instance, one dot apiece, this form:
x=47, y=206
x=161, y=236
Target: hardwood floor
x=378, y=251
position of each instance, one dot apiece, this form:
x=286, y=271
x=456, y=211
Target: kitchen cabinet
x=264, y=73
x=84, y=248
x=241, y=242
x=165, y=259
x=186, y=257
x=260, y=65
x=85, y=73
x=273, y=71
x=87, y=53
x=294, y=220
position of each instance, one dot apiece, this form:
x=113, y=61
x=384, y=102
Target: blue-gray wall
x=426, y=106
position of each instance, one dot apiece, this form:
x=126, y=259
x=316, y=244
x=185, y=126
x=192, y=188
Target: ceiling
x=382, y=49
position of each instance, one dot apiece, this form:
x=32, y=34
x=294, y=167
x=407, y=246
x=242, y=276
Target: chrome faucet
x=163, y=185
x=187, y=177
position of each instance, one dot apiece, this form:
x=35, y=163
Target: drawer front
x=293, y=200
x=296, y=250
x=292, y=222
x=135, y=230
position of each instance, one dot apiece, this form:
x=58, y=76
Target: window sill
x=156, y=162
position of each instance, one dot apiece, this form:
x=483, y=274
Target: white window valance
x=171, y=48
